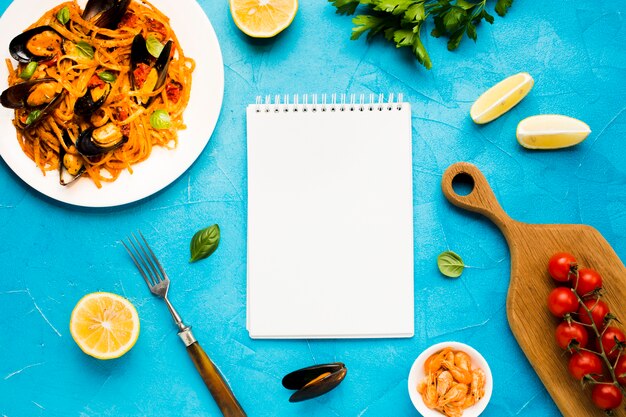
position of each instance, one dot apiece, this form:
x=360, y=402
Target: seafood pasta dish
x=95, y=89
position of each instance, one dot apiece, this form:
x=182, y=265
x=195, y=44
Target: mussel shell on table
x=105, y=13
x=38, y=44
x=314, y=381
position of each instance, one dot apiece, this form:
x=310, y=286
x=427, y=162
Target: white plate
x=417, y=374
x=198, y=40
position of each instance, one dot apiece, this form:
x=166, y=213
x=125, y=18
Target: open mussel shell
x=314, y=381
x=105, y=13
x=139, y=55
x=71, y=166
x=41, y=95
x=93, y=99
x=97, y=141
x=38, y=44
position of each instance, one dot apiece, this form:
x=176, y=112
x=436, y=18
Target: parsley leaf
x=502, y=6
x=401, y=21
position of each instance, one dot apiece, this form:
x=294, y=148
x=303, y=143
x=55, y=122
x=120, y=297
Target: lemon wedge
x=551, y=131
x=104, y=325
x=500, y=98
x=263, y=18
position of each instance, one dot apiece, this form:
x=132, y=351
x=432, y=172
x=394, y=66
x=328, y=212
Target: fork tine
x=141, y=271
x=149, y=259
x=156, y=260
x=145, y=262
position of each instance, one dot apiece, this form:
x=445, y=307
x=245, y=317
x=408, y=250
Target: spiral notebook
x=330, y=217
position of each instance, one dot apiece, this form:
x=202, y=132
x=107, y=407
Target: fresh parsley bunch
x=401, y=21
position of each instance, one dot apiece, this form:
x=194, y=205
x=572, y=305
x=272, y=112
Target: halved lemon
x=263, y=18
x=500, y=98
x=104, y=325
x=551, y=131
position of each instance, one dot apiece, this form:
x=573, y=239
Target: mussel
x=105, y=13
x=93, y=99
x=71, y=165
x=314, y=381
x=96, y=141
x=148, y=74
x=36, y=98
x=42, y=43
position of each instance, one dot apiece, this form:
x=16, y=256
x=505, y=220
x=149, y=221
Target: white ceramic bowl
x=417, y=374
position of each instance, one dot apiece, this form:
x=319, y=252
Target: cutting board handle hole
x=463, y=184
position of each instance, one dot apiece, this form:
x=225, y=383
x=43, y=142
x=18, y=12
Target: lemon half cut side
x=263, y=18
x=104, y=325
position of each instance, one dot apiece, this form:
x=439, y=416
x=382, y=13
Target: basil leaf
x=32, y=116
x=154, y=46
x=28, y=71
x=450, y=264
x=204, y=243
x=63, y=15
x=160, y=119
x=107, y=76
x=85, y=49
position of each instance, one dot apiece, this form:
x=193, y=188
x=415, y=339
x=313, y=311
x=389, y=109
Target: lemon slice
x=104, y=325
x=263, y=18
x=500, y=98
x=551, y=131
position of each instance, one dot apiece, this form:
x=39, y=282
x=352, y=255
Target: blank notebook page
x=330, y=221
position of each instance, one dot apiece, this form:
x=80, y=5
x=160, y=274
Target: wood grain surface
x=531, y=246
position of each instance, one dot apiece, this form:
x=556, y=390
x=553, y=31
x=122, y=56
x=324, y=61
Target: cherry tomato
x=566, y=332
x=583, y=363
x=560, y=266
x=587, y=281
x=561, y=301
x=606, y=396
x=608, y=341
x=620, y=370
x=599, y=310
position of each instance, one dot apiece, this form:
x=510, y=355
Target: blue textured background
x=51, y=255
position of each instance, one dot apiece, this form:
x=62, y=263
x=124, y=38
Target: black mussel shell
x=15, y=97
x=19, y=51
x=65, y=177
x=89, y=145
x=85, y=105
x=139, y=54
x=314, y=381
x=105, y=13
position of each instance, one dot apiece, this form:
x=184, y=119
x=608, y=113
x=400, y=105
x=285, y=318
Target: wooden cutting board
x=531, y=246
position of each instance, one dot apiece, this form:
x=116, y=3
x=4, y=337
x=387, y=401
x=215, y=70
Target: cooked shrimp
x=451, y=384
x=444, y=382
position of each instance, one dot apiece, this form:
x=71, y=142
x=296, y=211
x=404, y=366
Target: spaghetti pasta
x=93, y=65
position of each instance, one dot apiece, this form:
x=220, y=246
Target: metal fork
x=153, y=273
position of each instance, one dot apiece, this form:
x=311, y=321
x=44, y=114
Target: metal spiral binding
x=321, y=102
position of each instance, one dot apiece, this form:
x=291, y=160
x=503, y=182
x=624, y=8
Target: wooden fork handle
x=215, y=382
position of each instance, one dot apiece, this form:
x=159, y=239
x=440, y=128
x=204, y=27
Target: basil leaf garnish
x=450, y=264
x=28, y=71
x=32, y=116
x=160, y=119
x=204, y=243
x=63, y=15
x=85, y=49
x=154, y=46
x=107, y=76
